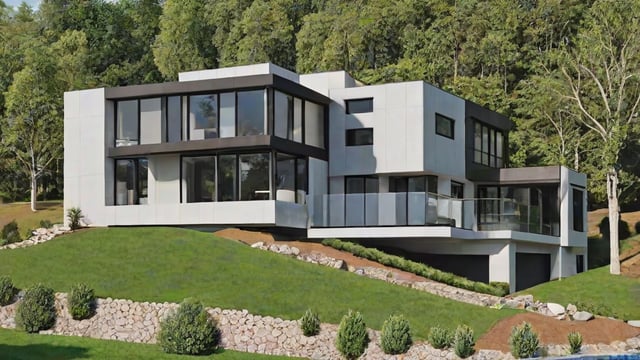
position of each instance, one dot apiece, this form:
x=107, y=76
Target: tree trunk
x=34, y=191
x=614, y=215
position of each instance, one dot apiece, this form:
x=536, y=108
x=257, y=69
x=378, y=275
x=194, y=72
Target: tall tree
x=32, y=127
x=602, y=77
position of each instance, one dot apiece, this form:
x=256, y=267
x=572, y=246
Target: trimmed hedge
x=416, y=268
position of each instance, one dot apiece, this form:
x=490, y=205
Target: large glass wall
x=534, y=209
x=203, y=117
x=131, y=181
x=200, y=175
x=127, y=123
x=254, y=177
x=251, y=113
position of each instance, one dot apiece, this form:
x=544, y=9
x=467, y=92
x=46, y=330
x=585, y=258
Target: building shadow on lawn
x=42, y=352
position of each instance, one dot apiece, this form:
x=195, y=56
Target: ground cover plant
x=416, y=268
x=620, y=300
x=18, y=345
x=171, y=264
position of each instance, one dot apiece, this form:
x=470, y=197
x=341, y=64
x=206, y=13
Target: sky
x=15, y=3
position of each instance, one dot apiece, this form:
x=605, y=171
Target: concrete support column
x=502, y=266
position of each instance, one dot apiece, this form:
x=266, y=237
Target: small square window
x=444, y=126
x=357, y=106
x=357, y=137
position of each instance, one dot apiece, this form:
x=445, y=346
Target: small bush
x=523, y=341
x=623, y=228
x=310, y=323
x=575, y=342
x=37, y=309
x=188, y=330
x=7, y=290
x=396, y=335
x=10, y=233
x=44, y=223
x=503, y=286
x=352, y=337
x=440, y=338
x=463, y=341
x=81, y=302
x=74, y=215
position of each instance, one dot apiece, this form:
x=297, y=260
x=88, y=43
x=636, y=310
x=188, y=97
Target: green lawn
x=17, y=345
x=596, y=287
x=170, y=264
x=27, y=219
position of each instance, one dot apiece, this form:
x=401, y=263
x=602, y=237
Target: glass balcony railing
x=426, y=209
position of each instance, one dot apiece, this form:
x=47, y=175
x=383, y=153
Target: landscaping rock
x=582, y=316
x=556, y=309
x=257, y=245
x=634, y=323
x=571, y=309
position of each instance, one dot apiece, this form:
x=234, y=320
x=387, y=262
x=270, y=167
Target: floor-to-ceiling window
x=227, y=168
x=254, y=177
x=251, y=112
x=131, y=181
x=199, y=173
x=127, y=123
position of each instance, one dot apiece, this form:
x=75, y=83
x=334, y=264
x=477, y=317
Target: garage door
x=532, y=269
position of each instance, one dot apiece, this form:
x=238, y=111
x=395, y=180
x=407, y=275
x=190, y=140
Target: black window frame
x=349, y=104
x=352, y=137
x=578, y=209
x=451, y=125
x=493, y=159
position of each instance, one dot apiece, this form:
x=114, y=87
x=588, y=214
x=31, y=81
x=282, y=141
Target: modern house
x=405, y=167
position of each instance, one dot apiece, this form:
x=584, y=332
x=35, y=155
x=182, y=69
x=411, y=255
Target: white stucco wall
x=236, y=71
x=569, y=180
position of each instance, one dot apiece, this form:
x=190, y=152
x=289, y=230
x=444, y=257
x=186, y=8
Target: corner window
x=251, y=113
x=578, y=210
x=444, y=126
x=488, y=145
x=357, y=106
x=357, y=137
x=131, y=181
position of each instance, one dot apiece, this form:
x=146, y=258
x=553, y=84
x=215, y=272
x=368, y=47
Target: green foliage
x=188, y=330
x=37, y=309
x=575, y=342
x=416, y=268
x=503, y=286
x=10, y=233
x=440, y=338
x=45, y=223
x=623, y=228
x=396, y=335
x=352, y=337
x=310, y=323
x=463, y=341
x=523, y=341
x=74, y=215
x=7, y=290
x=81, y=302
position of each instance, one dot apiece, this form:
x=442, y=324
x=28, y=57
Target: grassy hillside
x=27, y=219
x=18, y=345
x=170, y=264
x=597, y=288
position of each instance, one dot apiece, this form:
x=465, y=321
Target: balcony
x=427, y=209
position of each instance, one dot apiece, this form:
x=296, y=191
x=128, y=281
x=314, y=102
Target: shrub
x=188, y=330
x=74, y=215
x=440, y=338
x=7, y=290
x=503, y=286
x=463, y=341
x=81, y=302
x=46, y=224
x=575, y=342
x=623, y=228
x=396, y=335
x=310, y=323
x=523, y=341
x=37, y=309
x=10, y=233
x=414, y=267
x=352, y=337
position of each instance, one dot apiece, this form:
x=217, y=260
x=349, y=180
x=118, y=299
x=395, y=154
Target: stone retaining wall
x=131, y=321
x=39, y=236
